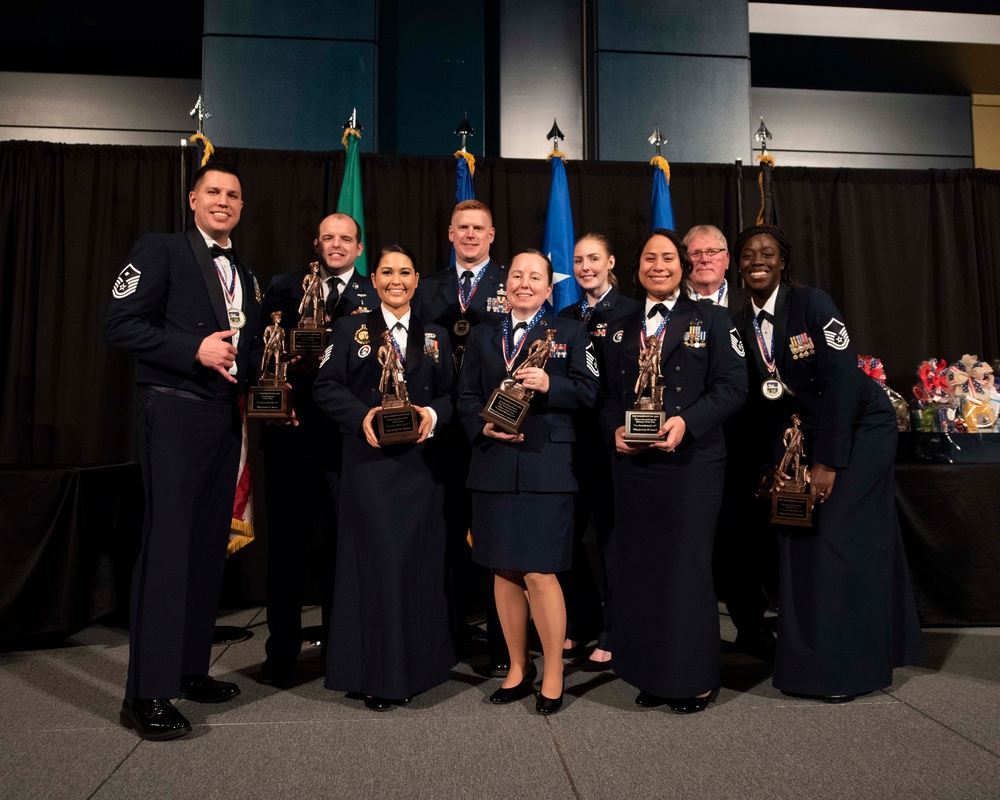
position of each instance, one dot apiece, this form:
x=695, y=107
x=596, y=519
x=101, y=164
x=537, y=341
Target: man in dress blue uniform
x=188, y=310
x=302, y=463
x=743, y=546
x=459, y=298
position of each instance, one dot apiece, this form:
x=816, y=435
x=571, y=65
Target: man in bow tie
x=188, y=309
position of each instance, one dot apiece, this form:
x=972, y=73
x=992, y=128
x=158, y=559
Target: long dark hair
x=638, y=290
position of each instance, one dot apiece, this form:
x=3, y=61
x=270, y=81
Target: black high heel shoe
x=527, y=685
x=548, y=705
x=692, y=705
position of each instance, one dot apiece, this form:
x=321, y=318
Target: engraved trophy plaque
x=508, y=405
x=309, y=337
x=397, y=421
x=272, y=399
x=644, y=420
x=791, y=503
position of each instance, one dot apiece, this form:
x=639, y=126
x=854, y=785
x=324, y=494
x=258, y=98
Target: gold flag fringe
x=209, y=150
x=240, y=536
x=349, y=132
x=661, y=162
x=556, y=153
x=766, y=158
x=470, y=160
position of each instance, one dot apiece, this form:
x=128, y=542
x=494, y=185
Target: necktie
x=519, y=330
x=659, y=308
x=466, y=284
x=334, y=294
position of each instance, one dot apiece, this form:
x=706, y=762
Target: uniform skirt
x=523, y=531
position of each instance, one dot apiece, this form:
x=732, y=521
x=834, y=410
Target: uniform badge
x=501, y=292
x=364, y=351
x=361, y=335
x=737, y=342
x=256, y=289
x=695, y=336
x=835, y=333
x=498, y=304
x=362, y=310
x=601, y=330
x=557, y=350
x=326, y=354
x=801, y=346
x=126, y=283
x=619, y=335
x=356, y=286
x=592, y=360
x=431, y=347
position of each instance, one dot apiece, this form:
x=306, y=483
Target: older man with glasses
x=744, y=549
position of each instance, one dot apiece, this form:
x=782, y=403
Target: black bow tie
x=762, y=315
x=659, y=308
x=225, y=252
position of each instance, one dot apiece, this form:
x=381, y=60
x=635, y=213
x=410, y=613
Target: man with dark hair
x=458, y=298
x=188, y=309
x=298, y=460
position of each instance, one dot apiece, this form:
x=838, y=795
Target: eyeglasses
x=708, y=255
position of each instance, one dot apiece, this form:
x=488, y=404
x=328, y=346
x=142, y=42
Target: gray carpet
x=934, y=734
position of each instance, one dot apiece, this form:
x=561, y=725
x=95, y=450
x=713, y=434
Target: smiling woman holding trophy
x=675, y=372
x=524, y=375
x=387, y=381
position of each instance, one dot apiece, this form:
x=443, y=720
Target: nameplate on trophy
x=792, y=508
x=270, y=400
x=395, y=425
x=644, y=426
x=308, y=341
x=791, y=502
x=507, y=407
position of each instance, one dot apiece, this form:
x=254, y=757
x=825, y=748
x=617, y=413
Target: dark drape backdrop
x=911, y=257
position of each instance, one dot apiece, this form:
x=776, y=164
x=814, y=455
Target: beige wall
x=986, y=130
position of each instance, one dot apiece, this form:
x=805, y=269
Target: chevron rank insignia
x=592, y=360
x=835, y=333
x=736, y=342
x=126, y=283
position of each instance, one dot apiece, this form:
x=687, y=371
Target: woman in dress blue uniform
x=668, y=493
x=523, y=484
x=846, y=614
x=389, y=633
x=602, y=304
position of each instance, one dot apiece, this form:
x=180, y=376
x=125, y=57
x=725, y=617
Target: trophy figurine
x=309, y=337
x=508, y=405
x=272, y=398
x=644, y=420
x=397, y=421
x=791, y=503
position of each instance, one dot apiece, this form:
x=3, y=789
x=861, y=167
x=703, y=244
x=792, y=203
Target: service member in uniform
x=301, y=463
x=189, y=310
x=846, y=614
x=602, y=305
x=668, y=493
x=523, y=484
x=389, y=634
x=458, y=299
x=745, y=550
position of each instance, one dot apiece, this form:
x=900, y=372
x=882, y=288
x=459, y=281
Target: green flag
x=350, y=201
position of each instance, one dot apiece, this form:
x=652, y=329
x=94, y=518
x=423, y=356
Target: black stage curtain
x=911, y=257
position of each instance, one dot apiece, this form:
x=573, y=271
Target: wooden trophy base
x=396, y=424
x=271, y=400
x=643, y=425
x=792, y=508
x=507, y=408
x=308, y=342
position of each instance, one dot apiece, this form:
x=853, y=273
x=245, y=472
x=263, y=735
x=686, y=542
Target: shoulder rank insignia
x=835, y=333
x=361, y=334
x=736, y=342
x=127, y=282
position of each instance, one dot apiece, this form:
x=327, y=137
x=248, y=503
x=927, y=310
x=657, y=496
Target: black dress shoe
x=648, y=700
x=203, y=689
x=548, y=705
x=834, y=699
x=523, y=689
x=759, y=644
x=273, y=675
x=499, y=664
x=377, y=704
x=156, y=720
x=692, y=705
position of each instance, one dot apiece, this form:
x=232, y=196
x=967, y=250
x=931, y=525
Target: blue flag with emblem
x=662, y=211
x=464, y=189
x=559, y=240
